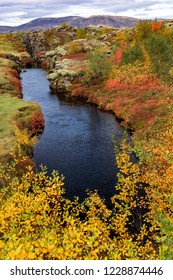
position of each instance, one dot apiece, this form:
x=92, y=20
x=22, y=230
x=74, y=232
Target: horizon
x=15, y=13
x=94, y=15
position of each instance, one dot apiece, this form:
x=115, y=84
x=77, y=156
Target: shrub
x=157, y=25
x=100, y=65
x=160, y=50
x=36, y=124
x=38, y=222
x=81, y=33
x=132, y=54
x=118, y=56
x=143, y=29
x=75, y=47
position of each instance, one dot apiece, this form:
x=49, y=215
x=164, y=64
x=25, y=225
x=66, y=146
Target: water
x=77, y=138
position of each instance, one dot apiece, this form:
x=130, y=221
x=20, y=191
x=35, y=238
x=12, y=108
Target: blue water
x=77, y=138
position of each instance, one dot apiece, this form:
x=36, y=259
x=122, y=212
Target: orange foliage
x=13, y=72
x=156, y=26
x=118, y=56
x=36, y=123
x=41, y=54
x=44, y=64
x=17, y=84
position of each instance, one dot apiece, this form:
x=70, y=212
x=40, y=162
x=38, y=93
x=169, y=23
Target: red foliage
x=41, y=54
x=44, y=64
x=115, y=84
x=27, y=61
x=17, y=83
x=118, y=56
x=13, y=72
x=156, y=26
x=138, y=86
x=77, y=56
x=78, y=91
x=119, y=53
x=13, y=79
x=36, y=123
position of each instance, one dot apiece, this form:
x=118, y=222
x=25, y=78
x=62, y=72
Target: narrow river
x=77, y=139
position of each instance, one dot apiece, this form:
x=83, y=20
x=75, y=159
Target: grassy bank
x=14, y=112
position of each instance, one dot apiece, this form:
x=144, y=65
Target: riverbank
x=129, y=73
x=16, y=116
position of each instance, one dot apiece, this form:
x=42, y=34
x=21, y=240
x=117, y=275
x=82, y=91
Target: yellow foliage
x=38, y=222
x=22, y=137
x=131, y=73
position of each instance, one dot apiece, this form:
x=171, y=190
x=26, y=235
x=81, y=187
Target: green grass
x=11, y=44
x=12, y=110
x=6, y=85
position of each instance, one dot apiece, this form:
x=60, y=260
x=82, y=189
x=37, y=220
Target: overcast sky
x=16, y=12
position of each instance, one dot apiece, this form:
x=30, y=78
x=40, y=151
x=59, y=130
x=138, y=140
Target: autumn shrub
x=157, y=26
x=160, y=50
x=118, y=55
x=24, y=141
x=81, y=33
x=132, y=54
x=158, y=174
x=75, y=47
x=143, y=29
x=100, y=65
x=36, y=123
x=38, y=222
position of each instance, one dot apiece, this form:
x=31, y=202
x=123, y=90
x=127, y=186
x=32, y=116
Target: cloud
x=20, y=11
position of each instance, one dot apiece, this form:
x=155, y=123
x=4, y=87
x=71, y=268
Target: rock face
x=38, y=42
x=62, y=55
x=68, y=64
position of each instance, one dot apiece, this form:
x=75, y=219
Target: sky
x=16, y=12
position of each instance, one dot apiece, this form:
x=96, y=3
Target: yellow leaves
x=146, y=56
x=37, y=222
x=23, y=138
x=131, y=72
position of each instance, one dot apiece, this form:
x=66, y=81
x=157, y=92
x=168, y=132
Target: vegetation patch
x=15, y=114
x=131, y=76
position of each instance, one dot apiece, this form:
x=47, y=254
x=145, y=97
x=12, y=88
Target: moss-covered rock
x=57, y=51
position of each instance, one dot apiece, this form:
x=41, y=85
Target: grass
x=12, y=110
x=12, y=44
x=6, y=85
x=4, y=62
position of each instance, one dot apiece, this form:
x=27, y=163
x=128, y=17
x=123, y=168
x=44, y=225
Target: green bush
x=132, y=54
x=100, y=65
x=75, y=47
x=143, y=29
x=81, y=33
x=160, y=50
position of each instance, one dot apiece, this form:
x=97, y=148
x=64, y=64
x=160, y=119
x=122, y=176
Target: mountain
x=46, y=23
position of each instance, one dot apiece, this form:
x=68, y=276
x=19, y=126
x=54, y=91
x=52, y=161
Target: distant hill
x=45, y=23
